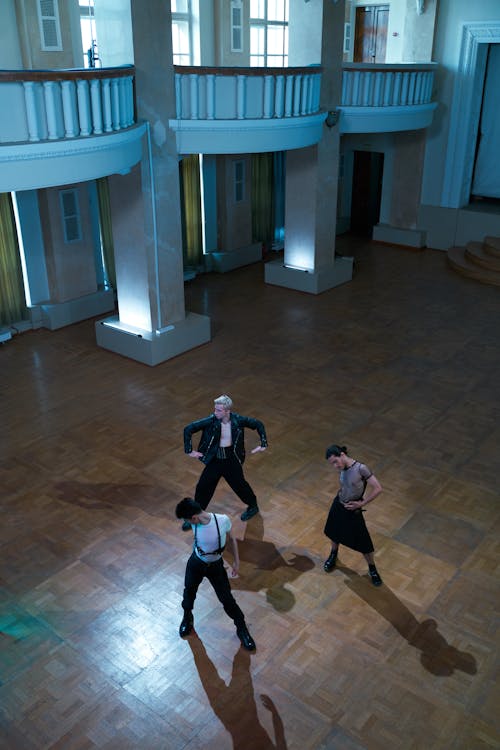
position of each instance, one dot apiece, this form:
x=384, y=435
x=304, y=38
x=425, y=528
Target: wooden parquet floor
x=402, y=366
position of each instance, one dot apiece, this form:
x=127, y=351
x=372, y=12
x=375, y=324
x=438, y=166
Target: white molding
x=465, y=111
x=23, y=166
x=247, y=136
x=385, y=119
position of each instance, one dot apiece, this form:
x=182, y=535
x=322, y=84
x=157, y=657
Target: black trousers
x=232, y=471
x=196, y=571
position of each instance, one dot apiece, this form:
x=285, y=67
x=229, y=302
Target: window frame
x=266, y=24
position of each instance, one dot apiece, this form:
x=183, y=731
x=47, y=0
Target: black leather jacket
x=210, y=435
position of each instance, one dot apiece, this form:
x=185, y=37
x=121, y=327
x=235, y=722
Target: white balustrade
x=255, y=95
x=364, y=85
x=70, y=104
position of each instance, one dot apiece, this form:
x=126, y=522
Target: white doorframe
x=465, y=113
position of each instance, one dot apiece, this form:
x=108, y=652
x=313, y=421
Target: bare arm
x=375, y=489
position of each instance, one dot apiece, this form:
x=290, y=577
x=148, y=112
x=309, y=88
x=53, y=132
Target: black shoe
x=330, y=562
x=186, y=625
x=186, y=526
x=376, y=579
x=249, y=513
x=246, y=639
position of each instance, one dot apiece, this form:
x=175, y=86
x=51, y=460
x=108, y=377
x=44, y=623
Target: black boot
x=246, y=639
x=330, y=562
x=376, y=579
x=186, y=625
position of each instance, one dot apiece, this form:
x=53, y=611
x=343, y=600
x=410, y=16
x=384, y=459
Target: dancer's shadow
x=270, y=570
x=234, y=704
x=106, y=496
x=436, y=656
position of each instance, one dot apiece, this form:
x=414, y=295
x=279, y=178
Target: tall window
x=89, y=36
x=182, y=33
x=269, y=33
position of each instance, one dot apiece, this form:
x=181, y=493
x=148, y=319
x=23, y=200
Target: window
x=182, y=33
x=70, y=216
x=236, y=26
x=50, y=30
x=347, y=37
x=88, y=32
x=239, y=181
x=269, y=33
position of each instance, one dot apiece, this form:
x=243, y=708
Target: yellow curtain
x=191, y=211
x=262, y=198
x=12, y=300
x=106, y=228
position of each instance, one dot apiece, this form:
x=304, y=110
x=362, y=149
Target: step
x=459, y=263
x=477, y=253
x=492, y=246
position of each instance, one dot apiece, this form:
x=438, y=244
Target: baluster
x=50, y=92
x=356, y=84
x=279, y=96
x=268, y=96
x=297, y=89
x=316, y=91
x=346, y=77
x=388, y=87
x=241, y=86
x=289, y=86
x=178, y=96
x=69, y=108
x=123, y=103
x=95, y=98
x=129, y=96
x=378, y=88
x=367, y=85
x=193, y=96
x=418, y=88
x=83, y=96
x=306, y=87
x=106, y=105
x=210, y=96
x=31, y=110
x=396, y=95
x=412, y=80
x=404, y=88
x=115, y=103
x=429, y=83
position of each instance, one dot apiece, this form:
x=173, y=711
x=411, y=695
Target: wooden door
x=370, y=33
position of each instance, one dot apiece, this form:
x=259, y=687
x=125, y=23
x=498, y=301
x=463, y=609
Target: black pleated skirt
x=348, y=527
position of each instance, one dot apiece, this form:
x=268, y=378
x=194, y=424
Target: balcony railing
x=246, y=93
x=60, y=104
x=375, y=85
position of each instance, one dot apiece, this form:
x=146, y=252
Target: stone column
x=310, y=264
x=146, y=213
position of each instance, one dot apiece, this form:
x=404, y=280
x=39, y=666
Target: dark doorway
x=370, y=33
x=367, y=174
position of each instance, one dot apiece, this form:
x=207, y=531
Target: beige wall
x=234, y=220
x=70, y=266
x=28, y=26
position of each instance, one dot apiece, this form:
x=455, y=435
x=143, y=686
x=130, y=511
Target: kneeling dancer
x=210, y=531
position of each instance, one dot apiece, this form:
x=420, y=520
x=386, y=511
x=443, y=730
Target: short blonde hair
x=224, y=401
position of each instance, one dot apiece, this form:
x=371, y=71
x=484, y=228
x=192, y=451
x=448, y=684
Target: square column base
x=313, y=282
x=152, y=348
x=60, y=314
x=395, y=236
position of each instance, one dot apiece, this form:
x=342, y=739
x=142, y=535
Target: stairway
x=479, y=260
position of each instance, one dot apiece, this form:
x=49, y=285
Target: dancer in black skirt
x=345, y=523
